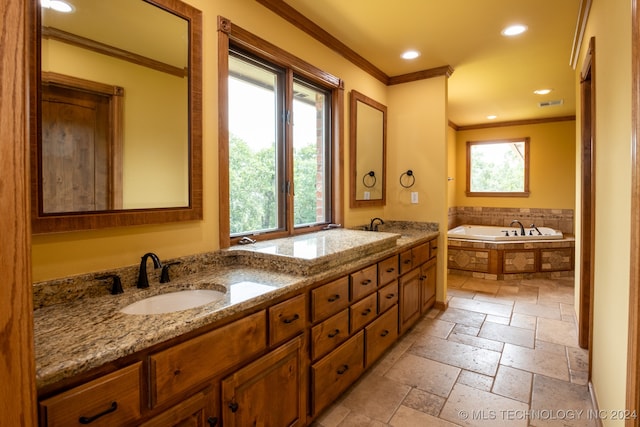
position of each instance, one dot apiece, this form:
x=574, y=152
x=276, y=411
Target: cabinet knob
x=384, y=333
x=390, y=270
x=365, y=282
x=212, y=421
x=233, y=406
x=366, y=312
x=390, y=296
x=334, y=333
x=334, y=298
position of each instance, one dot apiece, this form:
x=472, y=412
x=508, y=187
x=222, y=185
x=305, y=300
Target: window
x=279, y=143
x=498, y=168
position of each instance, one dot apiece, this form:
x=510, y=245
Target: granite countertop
x=76, y=336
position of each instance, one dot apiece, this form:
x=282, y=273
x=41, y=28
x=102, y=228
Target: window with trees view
x=280, y=148
x=498, y=168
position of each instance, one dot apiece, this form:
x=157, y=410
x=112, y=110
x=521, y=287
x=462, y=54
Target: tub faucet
x=373, y=226
x=535, y=228
x=515, y=221
x=143, y=280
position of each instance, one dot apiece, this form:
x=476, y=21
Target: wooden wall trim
x=513, y=123
x=445, y=70
x=633, y=358
x=17, y=370
x=287, y=12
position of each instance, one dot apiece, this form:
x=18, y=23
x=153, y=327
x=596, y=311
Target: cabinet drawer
x=381, y=334
x=406, y=261
x=334, y=373
x=329, y=299
x=363, y=312
x=387, y=296
x=363, y=282
x=434, y=248
x=329, y=334
x=287, y=319
x=420, y=254
x=176, y=369
x=107, y=401
x=387, y=270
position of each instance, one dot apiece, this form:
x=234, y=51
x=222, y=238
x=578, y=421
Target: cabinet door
x=428, y=285
x=196, y=411
x=267, y=392
x=409, y=299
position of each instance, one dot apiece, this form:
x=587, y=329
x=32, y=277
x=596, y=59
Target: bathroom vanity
x=276, y=353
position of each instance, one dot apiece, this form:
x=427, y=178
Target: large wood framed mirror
x=368, y=151
x=116, y=121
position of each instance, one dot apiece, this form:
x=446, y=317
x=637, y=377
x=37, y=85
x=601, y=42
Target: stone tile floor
x=504, y=353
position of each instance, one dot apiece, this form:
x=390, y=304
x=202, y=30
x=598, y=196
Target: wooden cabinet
x=269, y=391
x=380, y=334
x=364, y=282
x=337, y=371
x=428, y=285
x=179, y=368
x=197, y=411
x=409, y=299
x=388, y=296
x=287, y=319
x=388, y=270
x=363, y=312
x=113, y=399
x=329, y=299
x=329, y=334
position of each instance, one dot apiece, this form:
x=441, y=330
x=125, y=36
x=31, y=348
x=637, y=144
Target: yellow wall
x=610, y=24
x=551, y=165
x=418, y=141
x=452, y=170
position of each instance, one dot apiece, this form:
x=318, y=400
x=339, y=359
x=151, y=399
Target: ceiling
x=493, y=74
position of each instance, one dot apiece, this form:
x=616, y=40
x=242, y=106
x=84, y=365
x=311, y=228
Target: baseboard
x=441, y=305
x=594, y=403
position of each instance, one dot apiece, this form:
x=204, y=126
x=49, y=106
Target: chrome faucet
x=373, y=226
x=143, y=281
x=515, y=221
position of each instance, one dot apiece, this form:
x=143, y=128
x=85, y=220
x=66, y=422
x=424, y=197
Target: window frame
x=524, y=193
x=232, y=36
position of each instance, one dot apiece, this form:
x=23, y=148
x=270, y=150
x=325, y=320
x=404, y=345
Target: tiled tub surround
x=511, y=260
x=559, y=219
x=79, y=327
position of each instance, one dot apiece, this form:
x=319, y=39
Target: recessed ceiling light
x=57, y=5
x=492, y=117
x=514, y=30
x=410, y=54
x=542, y=91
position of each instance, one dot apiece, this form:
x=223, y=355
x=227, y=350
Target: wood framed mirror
x=116, y=114
x=368, y=151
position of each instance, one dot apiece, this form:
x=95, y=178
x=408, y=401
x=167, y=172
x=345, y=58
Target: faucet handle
x=116, y=285
x=164, y=275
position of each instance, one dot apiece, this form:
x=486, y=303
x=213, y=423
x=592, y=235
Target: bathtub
x=497, y=233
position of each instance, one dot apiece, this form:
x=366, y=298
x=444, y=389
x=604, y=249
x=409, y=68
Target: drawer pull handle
x=391, y=270
x=89, y=420
x=384, y=333
x=291, y=319
x=343, y=369
x=233, y=406
x=333, y=298
x=389, y=296
x=212, y=421
x=365, y=282
x=366, y=312
x=407, y=261
x=423, y=277
x=334, y=333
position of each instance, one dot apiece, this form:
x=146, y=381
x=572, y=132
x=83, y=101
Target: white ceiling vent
x=551, y=103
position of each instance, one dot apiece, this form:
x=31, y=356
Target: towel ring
x=410, y=174
x=372, y=174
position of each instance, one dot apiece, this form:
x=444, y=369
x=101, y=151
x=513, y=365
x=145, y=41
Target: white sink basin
x=173, y=301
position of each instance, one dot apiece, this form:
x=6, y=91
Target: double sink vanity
x=289, y=326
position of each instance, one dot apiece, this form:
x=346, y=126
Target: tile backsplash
x=559, y=219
